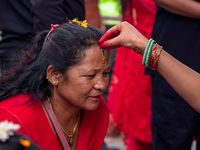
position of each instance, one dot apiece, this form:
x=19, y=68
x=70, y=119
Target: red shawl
x=35, y=124
x=129, y=98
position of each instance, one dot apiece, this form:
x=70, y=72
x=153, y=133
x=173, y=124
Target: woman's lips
x=96, y=97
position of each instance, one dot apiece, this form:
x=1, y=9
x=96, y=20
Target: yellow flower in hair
x=76, y=20
x=84, y=24
x=81, y=23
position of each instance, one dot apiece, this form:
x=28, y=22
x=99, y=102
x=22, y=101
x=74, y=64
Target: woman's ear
x=53, y=75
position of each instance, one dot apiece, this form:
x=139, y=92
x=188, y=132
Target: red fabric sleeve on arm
x=6, y=115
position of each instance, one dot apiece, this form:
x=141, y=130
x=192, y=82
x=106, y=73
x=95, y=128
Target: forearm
x=185, y=81
x=187, y=8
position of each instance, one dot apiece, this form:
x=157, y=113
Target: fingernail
x=103, y=45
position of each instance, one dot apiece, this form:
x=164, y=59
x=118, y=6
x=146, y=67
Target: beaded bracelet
x=153, y=61
x=148, y=52
x=145, y=52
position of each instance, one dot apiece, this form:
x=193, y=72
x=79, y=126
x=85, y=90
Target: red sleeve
x=6, y=115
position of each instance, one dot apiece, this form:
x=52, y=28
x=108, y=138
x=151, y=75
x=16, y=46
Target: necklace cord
x=56, y=125
x=74, y=129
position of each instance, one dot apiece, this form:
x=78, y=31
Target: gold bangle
x=155, y=54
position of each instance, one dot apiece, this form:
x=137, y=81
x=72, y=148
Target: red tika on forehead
x=103, y=56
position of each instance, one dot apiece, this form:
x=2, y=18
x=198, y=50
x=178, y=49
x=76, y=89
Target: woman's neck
x=67, y=115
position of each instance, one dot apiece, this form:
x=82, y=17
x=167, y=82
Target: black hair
x=64, y=47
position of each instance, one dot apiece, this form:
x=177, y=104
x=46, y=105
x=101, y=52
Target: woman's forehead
x=93, y=59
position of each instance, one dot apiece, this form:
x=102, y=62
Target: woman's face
x=86, y=82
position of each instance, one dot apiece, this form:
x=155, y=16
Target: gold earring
x=54, y=91
x=48, y=79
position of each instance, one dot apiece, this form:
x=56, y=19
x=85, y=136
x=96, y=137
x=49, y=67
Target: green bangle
x=145, y=51
x=148, y=52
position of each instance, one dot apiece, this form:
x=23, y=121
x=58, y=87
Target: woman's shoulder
x=19, y=98
x=18, y=103
x=7, y=115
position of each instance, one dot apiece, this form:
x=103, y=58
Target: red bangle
x=153, y=61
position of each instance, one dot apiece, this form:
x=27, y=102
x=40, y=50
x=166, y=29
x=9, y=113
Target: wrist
x=142, y=47
x=151, y=54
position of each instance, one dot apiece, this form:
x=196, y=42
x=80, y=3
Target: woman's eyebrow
x=108, y=68
x=96, y=70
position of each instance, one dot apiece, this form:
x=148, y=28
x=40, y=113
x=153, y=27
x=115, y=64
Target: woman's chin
x=92, y=106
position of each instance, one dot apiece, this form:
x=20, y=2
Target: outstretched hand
x=123, y=35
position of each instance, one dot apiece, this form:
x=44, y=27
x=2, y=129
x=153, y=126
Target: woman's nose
x=100, y=85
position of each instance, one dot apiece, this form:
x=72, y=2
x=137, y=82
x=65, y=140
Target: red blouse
x=35, y=124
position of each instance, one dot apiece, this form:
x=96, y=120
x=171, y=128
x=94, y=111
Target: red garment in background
x=129, y=98
x=35, y=124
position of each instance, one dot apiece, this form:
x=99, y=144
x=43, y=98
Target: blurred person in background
x=110, y=11
x=92, y=14
x=129, y=97
x=21, y=20
x=177, y=29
